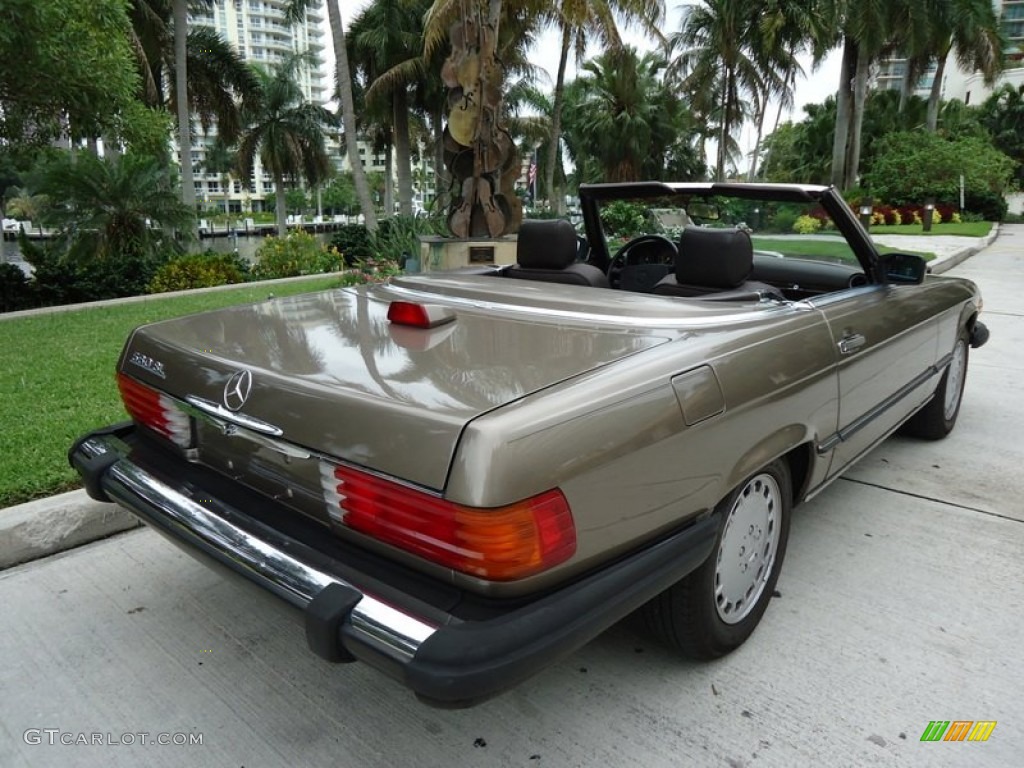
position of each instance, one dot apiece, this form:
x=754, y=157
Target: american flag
x=532, y=175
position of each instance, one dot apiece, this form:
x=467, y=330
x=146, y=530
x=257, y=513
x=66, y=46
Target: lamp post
x=865, y=210
x=929, y=212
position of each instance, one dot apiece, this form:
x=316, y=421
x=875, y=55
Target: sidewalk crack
x=944, y=502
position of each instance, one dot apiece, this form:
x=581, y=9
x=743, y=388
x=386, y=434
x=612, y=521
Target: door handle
x=851, y=343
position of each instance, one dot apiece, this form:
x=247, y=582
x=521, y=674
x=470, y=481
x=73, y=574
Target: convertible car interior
x=714, y=264
x=678, y=242
x=546, y=251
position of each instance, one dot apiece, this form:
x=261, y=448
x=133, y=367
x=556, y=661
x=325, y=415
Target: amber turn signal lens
x=499, y=544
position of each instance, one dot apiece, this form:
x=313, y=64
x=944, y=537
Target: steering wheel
x=663, y=251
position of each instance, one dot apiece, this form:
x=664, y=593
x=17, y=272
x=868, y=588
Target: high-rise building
x=968, y=87
x=258, y=31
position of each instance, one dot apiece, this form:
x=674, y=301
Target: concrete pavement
x=901, y=602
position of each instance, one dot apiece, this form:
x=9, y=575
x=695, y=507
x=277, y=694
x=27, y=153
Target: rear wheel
x=716, y=608
x=938, y=417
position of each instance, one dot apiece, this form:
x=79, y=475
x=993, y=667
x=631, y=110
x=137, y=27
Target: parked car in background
x=460, y=478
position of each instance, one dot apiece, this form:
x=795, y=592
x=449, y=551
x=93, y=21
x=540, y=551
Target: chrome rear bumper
x=446, y=661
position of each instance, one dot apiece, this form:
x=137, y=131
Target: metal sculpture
x=478, y=151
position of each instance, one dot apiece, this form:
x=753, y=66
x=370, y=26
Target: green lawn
x=57, y=379
x=824, y=250
x=963, y=229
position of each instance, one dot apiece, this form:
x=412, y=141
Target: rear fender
x=767, y=450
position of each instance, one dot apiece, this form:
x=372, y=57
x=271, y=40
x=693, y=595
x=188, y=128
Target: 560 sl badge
x=148, y=363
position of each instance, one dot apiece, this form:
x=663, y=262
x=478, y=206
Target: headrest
x=546, y=244
x=715, y=258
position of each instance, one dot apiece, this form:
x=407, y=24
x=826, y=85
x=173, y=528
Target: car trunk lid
x=330, y=375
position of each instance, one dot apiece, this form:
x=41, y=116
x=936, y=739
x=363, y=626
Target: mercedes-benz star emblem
x=236, y=391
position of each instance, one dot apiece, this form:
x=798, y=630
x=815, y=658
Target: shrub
x=396, y=237
x=15, y=289
x=62, y=278
x=624, y=219
x=199, y=270
x=991, y=206
x=824, y=220
x=806, y=225
x=944, y=213
x=911, y=166
x=297, y=254
x=910, y=214
x=354, y=242
x=783, y=220
x=885, y=214
x=365, y=273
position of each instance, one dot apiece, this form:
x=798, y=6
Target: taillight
x=500, y=544
x=155, y=410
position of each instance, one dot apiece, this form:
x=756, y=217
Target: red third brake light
x=500, y=544
x=157, y=411
x=419, y=315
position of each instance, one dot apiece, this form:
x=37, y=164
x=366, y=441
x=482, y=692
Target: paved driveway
x=901, y=602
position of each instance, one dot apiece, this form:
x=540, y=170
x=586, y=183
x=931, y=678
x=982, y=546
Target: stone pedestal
x=443, y=253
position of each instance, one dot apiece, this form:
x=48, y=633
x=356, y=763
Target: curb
x=946, y=263
x=45, y=527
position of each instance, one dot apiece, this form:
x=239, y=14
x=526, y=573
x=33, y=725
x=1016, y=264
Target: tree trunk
x=403, y=157
x=555, y=202
x=723, y=132
x=761, y=113
x=860, y=96
x=934, y=96
x=389, y=181
x=790, y=82
x=440, y=171
x=188, y=187
x=348, y=114
x=906, y=88
x=843, y=112
x=280, y=206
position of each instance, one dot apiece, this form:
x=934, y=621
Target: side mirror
x=903, y=268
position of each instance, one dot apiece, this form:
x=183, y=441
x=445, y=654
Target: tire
x=938, y=416
x=715, y=609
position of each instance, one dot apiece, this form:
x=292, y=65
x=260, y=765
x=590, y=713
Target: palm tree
x=718, y=66
x=784, y=28
x=209, y=76
x=385, y=35
x=113, y=207
x=188, y=188
x=969, y=29
x=287, y=132
x=580, y=20
x=623, y=121
x=1002, y=114
x=295, y=11
x=869, y=28
x=221, y=159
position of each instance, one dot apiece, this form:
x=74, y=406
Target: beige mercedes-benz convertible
x=461, y=477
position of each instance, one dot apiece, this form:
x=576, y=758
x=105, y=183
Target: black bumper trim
x=446, y=661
